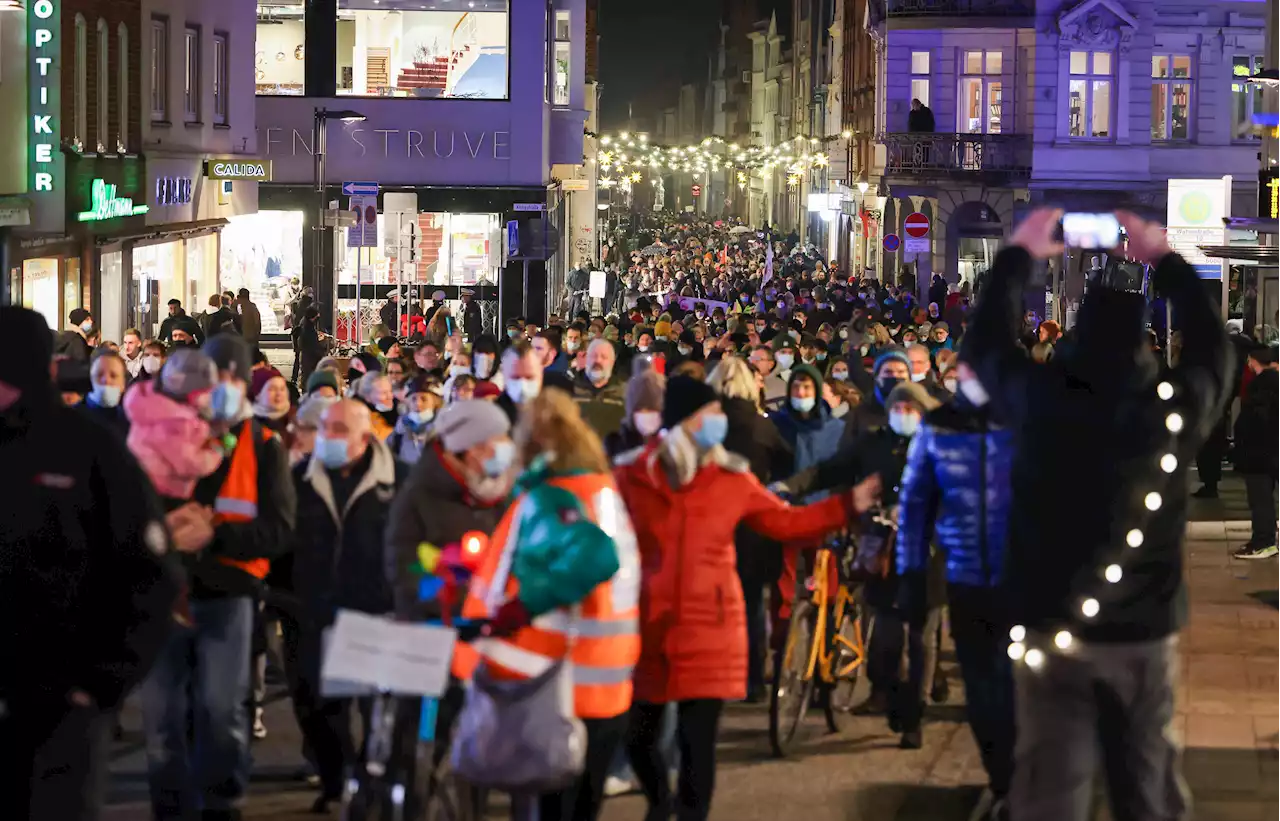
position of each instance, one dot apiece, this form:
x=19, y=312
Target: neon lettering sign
x=106, y=205
x=44, y=24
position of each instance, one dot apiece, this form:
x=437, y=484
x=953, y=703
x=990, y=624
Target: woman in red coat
x=686, y=494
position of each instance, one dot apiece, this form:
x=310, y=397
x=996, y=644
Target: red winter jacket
x=693, y=634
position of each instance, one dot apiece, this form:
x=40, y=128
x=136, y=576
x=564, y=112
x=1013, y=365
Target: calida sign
x=252, y=170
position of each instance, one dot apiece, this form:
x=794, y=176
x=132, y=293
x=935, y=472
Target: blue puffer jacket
x=956, y=484
x=813, y=439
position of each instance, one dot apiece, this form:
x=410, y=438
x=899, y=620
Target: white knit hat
x=463, y=425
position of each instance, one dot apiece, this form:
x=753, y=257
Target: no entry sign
x=916, y=225
x=891, y=242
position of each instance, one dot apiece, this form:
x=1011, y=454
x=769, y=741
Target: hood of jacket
x=1108, y=349
x=145, y=405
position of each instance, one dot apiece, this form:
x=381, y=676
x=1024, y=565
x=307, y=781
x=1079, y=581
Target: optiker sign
x=44, y=70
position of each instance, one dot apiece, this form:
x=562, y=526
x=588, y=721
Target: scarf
x=681, y=457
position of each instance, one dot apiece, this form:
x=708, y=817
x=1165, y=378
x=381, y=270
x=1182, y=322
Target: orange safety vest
x=238, y=497
x=606, y=643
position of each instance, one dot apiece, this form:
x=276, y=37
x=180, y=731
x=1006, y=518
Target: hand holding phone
x=1090, y=231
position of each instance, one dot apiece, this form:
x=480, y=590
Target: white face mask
x=904, y=424
x=785, y=361
x=972, y=390
x=950, y=384
x=647, y=423
x=151, y=364
x=521, y=390
x=106, y=396
x=481, y=364
x=919, y=377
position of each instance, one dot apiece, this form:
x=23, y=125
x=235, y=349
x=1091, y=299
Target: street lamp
x=319, y=143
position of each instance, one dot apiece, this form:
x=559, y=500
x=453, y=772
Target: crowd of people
x=649, y=479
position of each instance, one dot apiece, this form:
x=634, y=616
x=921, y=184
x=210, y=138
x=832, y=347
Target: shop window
x=159, y=69
x=280, y=52
x=158, y=276
x=122, y=85
x=920, y=75
x=80, y=89
x=1246, y=98
x=1170, y=97
x=263, y=252
x=191, y=77
x=562, y=58
x=1089, y=100
x=40, y=289
x=101, y=137
x=220, y=78
x=395, y=48
x=112, y=309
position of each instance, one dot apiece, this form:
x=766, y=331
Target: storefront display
x=40, y=289
x=111, y=318
x=158, y=276
x=469, y=245
x=263, y=253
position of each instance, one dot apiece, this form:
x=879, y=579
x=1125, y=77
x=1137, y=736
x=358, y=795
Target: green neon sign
x=106, y=205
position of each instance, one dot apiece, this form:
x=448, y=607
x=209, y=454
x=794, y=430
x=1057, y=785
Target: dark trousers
x=981, y=634
x=1102, y=704
x=1260, y=491
x=753, y=598
x=291, y=647
x=697, y=723
x=582, y=801
x=1209, y=458
x=54, y=758
x=326, y=722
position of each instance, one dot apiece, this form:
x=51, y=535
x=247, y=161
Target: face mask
x=904, y=424
x=151, y=363
x=885, y=385
x=840, y=376
x=87, y=326
x=332, y=453
x=804, y=405
x=459, y=370
x=972, y=390
x=521, y=390
x=420, y=418
x=226, y=400
x=712, y=431
x=482, y=363
x=642, y=348
x=106, y=396
x=785, y=360
x=647, y=423
x=822, y=355
x=950, y=384
x=504, y=453
x=512, y=333
x=919, y=377
x=684, y=350
x=808, y=360
x=572, y=345
x=844, y=333
x=383, y=407
x=599, y=373
x=743, y=298
x=699, y=314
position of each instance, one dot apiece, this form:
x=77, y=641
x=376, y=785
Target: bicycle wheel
x=791, y=688
x=840, y=695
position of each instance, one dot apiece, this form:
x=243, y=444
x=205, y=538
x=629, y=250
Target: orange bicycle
x=824, y=653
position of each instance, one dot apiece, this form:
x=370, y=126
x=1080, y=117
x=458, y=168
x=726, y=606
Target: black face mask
x=885, y=386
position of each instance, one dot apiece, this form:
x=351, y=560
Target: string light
x=1173, y=422
x=1133, y=538
x=1153, y=501
x=1168, y=463
x=1090, y=608
x=1017, y=650
x=1034, y=658
x=1113, y=573
x=1165, y=391
x=1063, y=639
x=1018, y=633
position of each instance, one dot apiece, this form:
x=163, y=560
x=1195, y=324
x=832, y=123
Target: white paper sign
x=373, y=652
x=596, y=287
x=917, y=245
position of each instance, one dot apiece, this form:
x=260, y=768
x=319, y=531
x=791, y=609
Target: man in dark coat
x=178, y=318
x=84, y=596
x=920, y=120
x=1257, y=444
x=1097, y=599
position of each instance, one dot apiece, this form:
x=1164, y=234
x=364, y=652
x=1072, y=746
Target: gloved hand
x=510, y=617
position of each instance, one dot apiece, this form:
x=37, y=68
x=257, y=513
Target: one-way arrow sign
x=360, y=189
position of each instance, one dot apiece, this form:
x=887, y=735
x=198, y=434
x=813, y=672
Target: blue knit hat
x=891, y=355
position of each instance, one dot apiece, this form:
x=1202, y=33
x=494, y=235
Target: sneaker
x=911, y=740
x=259, y=729
x=615, y=786
x=1255, y=552
x=1205, y=492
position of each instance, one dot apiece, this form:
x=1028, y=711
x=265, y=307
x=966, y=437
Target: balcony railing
x=924, y=155
x=955, y=8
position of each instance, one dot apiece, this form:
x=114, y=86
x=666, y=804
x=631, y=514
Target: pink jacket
x=170, y=440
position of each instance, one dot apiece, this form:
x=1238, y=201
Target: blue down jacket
x=956, y=484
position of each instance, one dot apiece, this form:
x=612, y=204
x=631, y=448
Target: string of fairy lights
x=1102, y=583
x=628, y=158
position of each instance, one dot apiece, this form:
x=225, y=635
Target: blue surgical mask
x=105, y=396
x=419, y=419
x=459, y=370
x=712, y=432
x=840, y=376
x=504, y=453
x=332, y=453
x=822, y=355
x=384, y=407
x=226, y=400
x=803, y=404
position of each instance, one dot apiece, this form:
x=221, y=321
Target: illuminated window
x=1170, y=97
x=102, y=137
x=220, y=78
x=981, y=93
x=1089, y=98
x=191, y=76
x=80, y=91
x=159, y=69
x=560, y=94
x=122, y=82
x=920, y=71
x=1246, y=98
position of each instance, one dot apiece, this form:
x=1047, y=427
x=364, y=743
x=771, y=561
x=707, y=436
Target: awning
x=1263, y=254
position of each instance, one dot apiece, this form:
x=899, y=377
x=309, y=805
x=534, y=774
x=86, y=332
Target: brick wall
x=114, y=13
x=593, y=41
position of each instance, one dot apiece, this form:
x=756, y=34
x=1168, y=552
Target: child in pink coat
x=170, y=436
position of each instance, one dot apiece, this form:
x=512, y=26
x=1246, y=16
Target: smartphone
x=1090, y=231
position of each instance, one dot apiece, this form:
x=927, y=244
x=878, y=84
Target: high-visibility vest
x=605, y=631
x=238, y=497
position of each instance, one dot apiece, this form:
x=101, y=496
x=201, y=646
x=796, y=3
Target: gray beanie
x=311, y=409
x=187, y=371
x=231, y=353
x=912, y=394
x=645, y=392
x=463, y=425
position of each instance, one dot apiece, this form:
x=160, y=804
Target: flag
x=768, y=265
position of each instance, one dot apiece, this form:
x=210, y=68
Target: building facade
x=126, y=104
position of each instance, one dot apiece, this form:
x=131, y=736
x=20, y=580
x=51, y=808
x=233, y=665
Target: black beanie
x=685, y=397
x=230, y=353
x=25, y=336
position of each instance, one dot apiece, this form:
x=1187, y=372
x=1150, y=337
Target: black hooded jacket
x=1091, y=431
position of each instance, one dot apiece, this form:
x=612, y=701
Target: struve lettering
x=395, y=143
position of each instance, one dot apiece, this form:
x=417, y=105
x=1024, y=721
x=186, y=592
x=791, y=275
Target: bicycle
x=817, y=660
